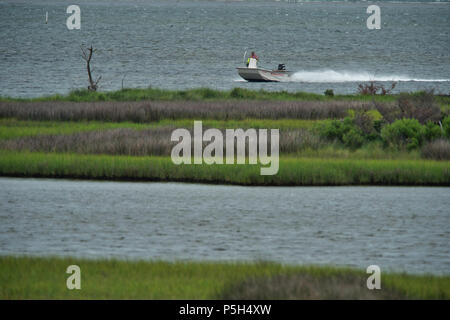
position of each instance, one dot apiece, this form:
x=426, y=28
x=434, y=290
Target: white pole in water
x=46, y=17
x=245, y=54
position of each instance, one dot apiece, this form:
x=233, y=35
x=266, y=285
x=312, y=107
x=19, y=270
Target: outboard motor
x=281, y=66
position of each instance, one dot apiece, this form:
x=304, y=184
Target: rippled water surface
x=397, y=228
x=186, y=44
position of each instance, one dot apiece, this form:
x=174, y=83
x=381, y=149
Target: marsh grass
x=298, y=137
x=152, y=111
x=311, y=282
x=123, y=141
x=438, y=150
x=45, y=278
x=12, y=128
x=199, y=94
x=144, y=142
x=303, y=286
x=292, y=171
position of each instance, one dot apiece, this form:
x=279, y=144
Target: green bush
x=364, y=121
x=329, y=92
x=404, y=133
x=333, y=129
x=432, y=131
x=378, y=125
x=345, y=131
x=446, y=126
x=353, y=139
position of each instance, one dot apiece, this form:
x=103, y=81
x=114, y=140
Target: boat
x=254, y=74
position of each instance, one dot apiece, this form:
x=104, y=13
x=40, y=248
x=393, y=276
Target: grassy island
x=324, y=140
x=45, y=278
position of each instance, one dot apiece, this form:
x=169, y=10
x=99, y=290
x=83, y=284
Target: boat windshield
x=252, y=63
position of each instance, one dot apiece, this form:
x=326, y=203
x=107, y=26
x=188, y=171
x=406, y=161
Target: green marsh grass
x=12, y=128
x=202, y=94
x=139, y=94
x=45, y=278
x=293, y=171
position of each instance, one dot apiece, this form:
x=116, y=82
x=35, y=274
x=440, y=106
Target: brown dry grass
x=307, y=287
x=437, y=150
x=149, y=111
x=148, y=142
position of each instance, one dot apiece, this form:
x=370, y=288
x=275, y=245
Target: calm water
x=185, y=44
x=396, y=228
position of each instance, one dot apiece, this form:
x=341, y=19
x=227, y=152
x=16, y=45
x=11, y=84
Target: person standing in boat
x=253, y=56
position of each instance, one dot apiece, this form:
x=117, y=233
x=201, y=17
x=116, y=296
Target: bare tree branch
x=87, y=56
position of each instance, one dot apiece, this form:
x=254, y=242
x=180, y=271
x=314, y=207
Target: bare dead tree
x=87, y=56
x=373, y=87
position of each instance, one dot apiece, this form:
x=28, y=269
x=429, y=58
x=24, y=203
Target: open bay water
x=191, y=44
x=397, y=228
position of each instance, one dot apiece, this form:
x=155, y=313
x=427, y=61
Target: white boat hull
x=264, y=75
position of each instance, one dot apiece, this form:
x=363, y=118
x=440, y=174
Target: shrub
x=353, y=139
x=375, y=114
x=365, y=122
x=420, y=106
x=344, y=131
x=367, y=88
x=333, y=129
x=372, y=88
x=403, y=133
x=329, y=92
x=389, y=112
x=438, y=150
x=432, y=131
x=446, y=126
x=377, y=125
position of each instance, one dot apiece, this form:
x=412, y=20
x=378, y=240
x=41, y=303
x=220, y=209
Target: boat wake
x=331, y=76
